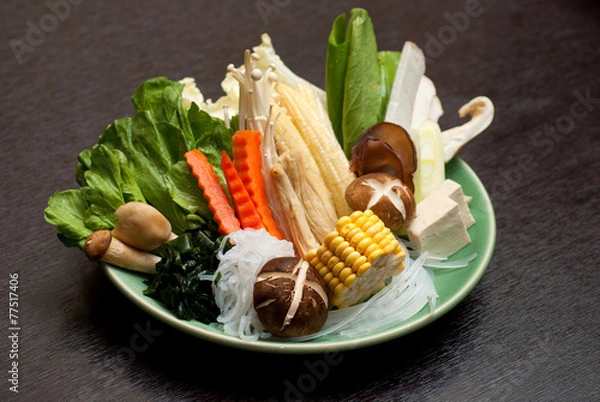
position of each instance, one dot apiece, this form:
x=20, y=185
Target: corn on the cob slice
x=322, y=143
x=357, y=258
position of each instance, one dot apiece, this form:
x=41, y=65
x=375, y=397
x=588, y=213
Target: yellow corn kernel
x=361, y=262
x=375, y=255
x=325, y=255
x=332, y=261
x=373, y=247
x=339, y=250
x=333, y=282
x=338, y=268
x=343, y=221
x=385, y=233
x=363, y=244
x=338, y=291
x=357, y=237
x=344, y=273
x=375, y=228
x=329, y=238
x=366, y=227
x=352, y=257
x=363, y=268
x=345, y=230
x=390, y=248
x=350, y=280
x=360, y=221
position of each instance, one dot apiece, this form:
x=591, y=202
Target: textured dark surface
x=528, y=331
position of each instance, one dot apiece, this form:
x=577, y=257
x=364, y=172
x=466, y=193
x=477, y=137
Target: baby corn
x=287, y=139
x=322, y=143
x=357, y=258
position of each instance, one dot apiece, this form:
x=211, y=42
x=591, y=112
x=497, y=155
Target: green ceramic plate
x=452, y=285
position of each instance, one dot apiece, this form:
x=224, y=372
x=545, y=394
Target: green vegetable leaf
x=184, y=189
x=388, y=64
x=129, y=186
x=104, y=179
x=335, y=74
x=362, y=97
x=355, y=88
x=141, y=159
x=161, y=97
x=66, y=210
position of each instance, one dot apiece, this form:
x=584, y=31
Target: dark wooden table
x=527, y=332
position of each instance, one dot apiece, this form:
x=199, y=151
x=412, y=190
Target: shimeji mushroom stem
x=103, y=246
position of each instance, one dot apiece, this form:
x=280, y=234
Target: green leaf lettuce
x=141, y=158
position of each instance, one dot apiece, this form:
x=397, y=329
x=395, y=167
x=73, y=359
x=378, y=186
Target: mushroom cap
x=141, y=226
x=290, y=297
x=387, y=196
x=385, y=148
x=96, y=244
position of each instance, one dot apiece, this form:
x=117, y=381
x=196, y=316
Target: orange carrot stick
x=247, y=161
x=246, y=212
x=218, y=203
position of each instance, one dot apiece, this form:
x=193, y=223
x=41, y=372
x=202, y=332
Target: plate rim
x=266, y=346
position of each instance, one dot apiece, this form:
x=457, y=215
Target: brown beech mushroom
x=387, y=196
x=103, y=246
x=385, y=148
x=290, y=297
x=142, y=226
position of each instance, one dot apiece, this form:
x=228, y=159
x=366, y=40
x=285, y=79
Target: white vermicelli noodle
x=405, y=295
x=238, y=268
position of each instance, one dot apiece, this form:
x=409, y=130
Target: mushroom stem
x=302, y=236
x=481, y=110
x=103, y=246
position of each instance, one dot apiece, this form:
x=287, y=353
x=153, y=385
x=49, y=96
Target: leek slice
x=430, y=171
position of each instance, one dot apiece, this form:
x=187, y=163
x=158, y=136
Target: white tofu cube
x=453, y=190
x=438, y=227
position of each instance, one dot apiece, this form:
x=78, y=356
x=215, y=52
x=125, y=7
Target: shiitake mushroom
x=385, y=148
x=387, y=196
x=290, y=297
